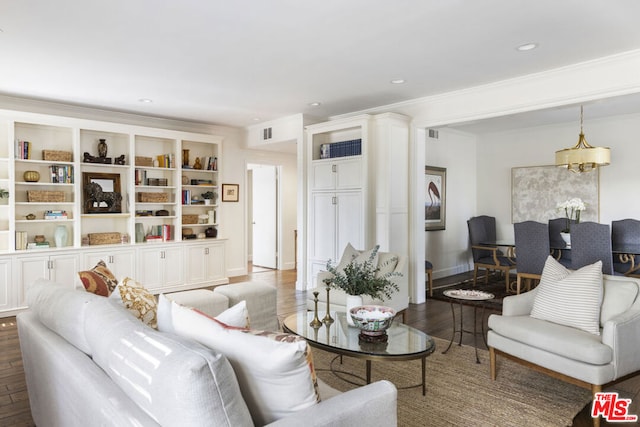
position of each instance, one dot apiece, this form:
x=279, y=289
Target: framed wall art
x=435, y=206
x=230, y=192
x=101, y=193
x=536, y=192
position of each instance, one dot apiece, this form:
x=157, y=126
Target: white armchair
x=568, y=353
x=338, y=298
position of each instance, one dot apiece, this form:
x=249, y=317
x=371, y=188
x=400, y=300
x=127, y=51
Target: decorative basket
x=144, y=161
x=153, y=197
x=45, y=196
x=189, y=219
x=104, y=238
x=57, y=156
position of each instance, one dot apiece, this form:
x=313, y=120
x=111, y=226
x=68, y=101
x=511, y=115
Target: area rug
x=461, y=393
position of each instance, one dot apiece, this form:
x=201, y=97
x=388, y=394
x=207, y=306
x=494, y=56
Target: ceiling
x=241, y=62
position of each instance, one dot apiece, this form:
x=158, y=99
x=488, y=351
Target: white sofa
x=338, y=298
x=88, y=361
x=569, y=353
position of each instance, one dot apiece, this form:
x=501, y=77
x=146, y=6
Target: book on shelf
x=38, y=245
x=23, y=150
x=61, y=174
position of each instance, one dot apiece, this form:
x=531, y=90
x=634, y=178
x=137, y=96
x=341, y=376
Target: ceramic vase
x=60, y=236
x=139, y=233
x=352, y=301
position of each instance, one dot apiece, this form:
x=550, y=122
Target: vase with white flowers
x=572, y=209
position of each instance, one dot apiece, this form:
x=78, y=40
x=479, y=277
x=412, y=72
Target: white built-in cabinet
x=362, y=198
x=162, y=176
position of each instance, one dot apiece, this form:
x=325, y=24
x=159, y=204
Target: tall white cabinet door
x=27, y=270
x=215, y=263
x=5, y=284
x=323, y=223
x=195, y=263
x=173, y=266
x=349, y=219
x=150, y=271
x=64, y=269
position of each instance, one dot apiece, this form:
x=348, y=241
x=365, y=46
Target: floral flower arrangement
x=363, y=278
x=572, y=209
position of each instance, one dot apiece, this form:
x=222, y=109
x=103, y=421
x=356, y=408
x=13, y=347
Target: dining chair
x=624, y=232
x=558, y=246
x=590, y=242
x=532, y=250
x=428, y=268
x=482, y=231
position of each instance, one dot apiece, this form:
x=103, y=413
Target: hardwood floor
x=432, y=317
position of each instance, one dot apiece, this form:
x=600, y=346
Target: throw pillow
x=274, y=370
x=618, y=297
x=387, y=263
x=99, y=280
x=349, y=254
x=570, y=298
x=238, y=315
x=138, y=300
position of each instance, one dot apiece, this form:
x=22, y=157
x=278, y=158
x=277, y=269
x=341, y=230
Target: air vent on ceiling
x=266, y=133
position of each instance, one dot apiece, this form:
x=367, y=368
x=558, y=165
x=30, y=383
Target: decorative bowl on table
x=372, y=320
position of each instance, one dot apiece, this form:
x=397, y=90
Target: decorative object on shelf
x=209, y=197
x=88, y=158
x=39, y=238
x=583, y=157
x=327, y=317
x=373, y=321
x=189, y=219
x=162, y=212
x=57, y=156
x=435, y=204
x=102, y=148
x=197, y=164
x=4, y=196
x=203, y=218
x=108, y=238
x=31, y=176
x=30, y=217
x=185, y=180
x=101, y=192
x=364, y=278
x=185, y=157
x=315, y=323
x=60, y=236
x=119, y=160
x=230, y=192
x=144, y=161
x=153, y=197
x=211, y=232
x=187, y=233
x=212, y=216
x=201, y=235
x=139, y=232
x=572, y=209
x=45, y=196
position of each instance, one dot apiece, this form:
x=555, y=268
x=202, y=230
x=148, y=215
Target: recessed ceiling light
x=315, y=104
x=527, y=46
x=145, y=100
x=397, y=81
x=256, y=119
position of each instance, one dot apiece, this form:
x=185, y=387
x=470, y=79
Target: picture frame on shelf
x=435, y=212
x=101, y=193
x=230, y=192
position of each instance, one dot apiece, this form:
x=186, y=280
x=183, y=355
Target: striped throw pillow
x=570, y=298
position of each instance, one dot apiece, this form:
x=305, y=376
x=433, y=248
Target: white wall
x=448, y=249
x=497, y=153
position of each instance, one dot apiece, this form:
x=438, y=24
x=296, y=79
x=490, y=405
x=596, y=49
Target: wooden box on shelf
x=104, y=238
x=57, y=156
x=144, y=161
x=45, y=196
x=153, y=197
x=189, y=219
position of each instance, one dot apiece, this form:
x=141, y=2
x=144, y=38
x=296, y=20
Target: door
x=265, y=216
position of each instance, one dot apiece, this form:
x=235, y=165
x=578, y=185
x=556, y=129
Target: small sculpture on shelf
x=102, y=148
x=119, y=160
x=95, y=196
x=197, y=164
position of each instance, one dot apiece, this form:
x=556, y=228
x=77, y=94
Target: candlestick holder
x=315, y=323
x=327, y=317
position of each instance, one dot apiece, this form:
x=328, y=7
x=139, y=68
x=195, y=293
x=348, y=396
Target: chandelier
x=583, y=157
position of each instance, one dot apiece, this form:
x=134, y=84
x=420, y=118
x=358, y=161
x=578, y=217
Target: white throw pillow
x=618, y=297
x=570, y=298
x=274, y=370
x=237, y=316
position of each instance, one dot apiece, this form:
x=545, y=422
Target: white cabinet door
x=322, y=176
x=6, y=285
x=64, y=269
x=205, y=264
x=120, y=262
x=216, y=263
x=349, y=220
x=172, y=266
x=323, y=226
x=160, y=267
x=196, y=267
x=61, y=268
x=348, y=174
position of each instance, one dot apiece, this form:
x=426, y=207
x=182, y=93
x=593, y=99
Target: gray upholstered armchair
x=585, y=359
x=482, y=231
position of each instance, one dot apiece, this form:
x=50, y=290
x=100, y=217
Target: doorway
x=263, y=216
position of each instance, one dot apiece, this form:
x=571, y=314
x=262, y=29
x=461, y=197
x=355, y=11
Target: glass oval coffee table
x=403, y=343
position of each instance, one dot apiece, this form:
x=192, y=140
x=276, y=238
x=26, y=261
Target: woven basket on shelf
x=45, y=196
x=189, y=219
x=144, y=161
x=57, y=156
x=104, y=238
x=153, y=197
